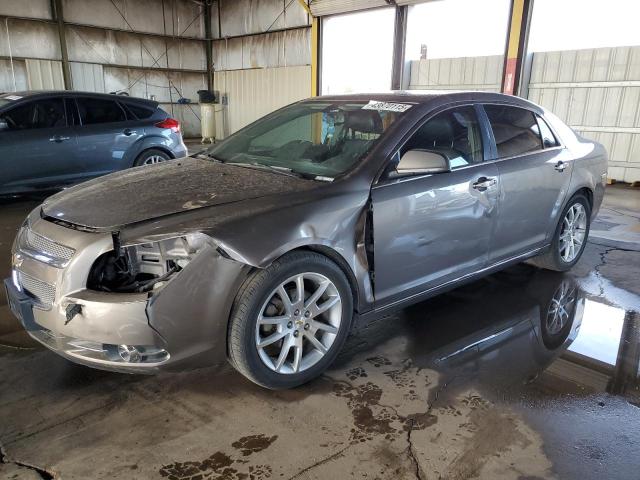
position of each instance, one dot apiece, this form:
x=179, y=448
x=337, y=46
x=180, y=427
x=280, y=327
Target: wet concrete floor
x=476, y=383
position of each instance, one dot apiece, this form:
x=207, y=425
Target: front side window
x=314, y=138
x=515, y=130
x=454, y=133
x=96, y=110
x=46, y=113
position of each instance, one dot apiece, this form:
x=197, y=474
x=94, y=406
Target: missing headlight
x=141, y=267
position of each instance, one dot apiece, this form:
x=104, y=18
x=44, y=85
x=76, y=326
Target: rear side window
x=548, y=138
x=97, y=110
x=515, y=130
x=137, y=111
x=45, y=113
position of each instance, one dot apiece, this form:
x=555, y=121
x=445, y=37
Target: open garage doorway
x=585, y=67
x=448, y=50
x=357, y=51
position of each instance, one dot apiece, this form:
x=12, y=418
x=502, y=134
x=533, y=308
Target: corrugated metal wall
x=44, y=74
x=597, y=92
x=262, y=59
x=464, y=73
x=147, y=48
x=155, y=48
x=254, y=93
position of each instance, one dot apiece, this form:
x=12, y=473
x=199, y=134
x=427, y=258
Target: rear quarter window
x=137, y=111
x=549, y=140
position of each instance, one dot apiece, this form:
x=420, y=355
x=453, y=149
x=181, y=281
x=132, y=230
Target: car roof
x=430, y=97
x=31, y=94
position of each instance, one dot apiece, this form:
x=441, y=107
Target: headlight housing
x=143, y=267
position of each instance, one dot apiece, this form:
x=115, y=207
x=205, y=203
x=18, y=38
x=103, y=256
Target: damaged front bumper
x=181, y=325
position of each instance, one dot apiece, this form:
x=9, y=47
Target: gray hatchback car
x=50, y=140
x=266, y=249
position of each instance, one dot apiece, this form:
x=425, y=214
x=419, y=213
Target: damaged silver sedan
x=268, y=248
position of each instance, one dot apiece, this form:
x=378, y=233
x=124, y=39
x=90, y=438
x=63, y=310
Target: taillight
x=171, y=123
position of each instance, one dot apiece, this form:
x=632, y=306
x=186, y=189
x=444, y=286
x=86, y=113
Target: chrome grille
x=42, y=292
x=43, y=249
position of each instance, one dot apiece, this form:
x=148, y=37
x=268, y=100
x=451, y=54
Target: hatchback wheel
x=151, y=156
x=290, y=320
x=570, y=237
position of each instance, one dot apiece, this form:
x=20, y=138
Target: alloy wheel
x=573, y=232
x=298, y=323
x=560, y=308
x=153, y=159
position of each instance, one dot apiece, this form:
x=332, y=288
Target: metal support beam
x=316, y=36
x=58, y=15
x=399, y=46
x=209, y=45
x=516, y=51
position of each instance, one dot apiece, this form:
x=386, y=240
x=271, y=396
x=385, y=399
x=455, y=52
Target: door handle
x=560, y=166
x=58, y=139
x=128, y=132
x=483, y=183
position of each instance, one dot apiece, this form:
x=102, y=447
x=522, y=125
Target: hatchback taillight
x=171, y=123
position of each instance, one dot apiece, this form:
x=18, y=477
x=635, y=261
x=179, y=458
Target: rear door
x=534, y=178
x=105, y=135
x=37, y=146
x=432, y=229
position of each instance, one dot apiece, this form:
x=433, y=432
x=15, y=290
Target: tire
x=558, y=313
x=261, y=296
x=553, y=259
x=151, y=156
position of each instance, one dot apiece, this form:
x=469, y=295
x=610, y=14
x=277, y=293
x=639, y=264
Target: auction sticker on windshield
x=387, y=106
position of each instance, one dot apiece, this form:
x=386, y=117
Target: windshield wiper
x=272, y=168
x=208, y=156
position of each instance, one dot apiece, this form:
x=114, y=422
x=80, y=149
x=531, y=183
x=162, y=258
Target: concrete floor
x=461, y=386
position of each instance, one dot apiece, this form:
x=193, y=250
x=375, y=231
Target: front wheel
x=570, y=237
x=290, y=320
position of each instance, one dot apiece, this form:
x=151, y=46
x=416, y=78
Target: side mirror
x=422, y=162
x=3, y=125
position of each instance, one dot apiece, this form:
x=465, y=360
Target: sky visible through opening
x=357, y=48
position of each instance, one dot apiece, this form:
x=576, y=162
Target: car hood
x=144, y=193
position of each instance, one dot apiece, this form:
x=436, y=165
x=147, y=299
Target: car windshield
x=315, y=138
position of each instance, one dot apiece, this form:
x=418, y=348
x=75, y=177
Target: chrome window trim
x=406, y=178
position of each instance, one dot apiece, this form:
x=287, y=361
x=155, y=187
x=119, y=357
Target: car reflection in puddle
x=536, y=343
x=523, y=328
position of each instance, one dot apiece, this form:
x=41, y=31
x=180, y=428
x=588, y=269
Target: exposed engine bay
x=143, y=267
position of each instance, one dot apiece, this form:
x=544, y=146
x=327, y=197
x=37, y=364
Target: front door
x=36, y=146
x=432, y=229
x=534, y=174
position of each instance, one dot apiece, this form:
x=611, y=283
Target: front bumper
x=180, y=326
x=102, y=329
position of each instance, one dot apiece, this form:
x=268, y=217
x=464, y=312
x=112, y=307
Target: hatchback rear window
x=97, y=110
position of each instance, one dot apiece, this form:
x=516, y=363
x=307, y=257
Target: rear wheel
x=570, y=237
x=151, y=156
x=290, y=320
